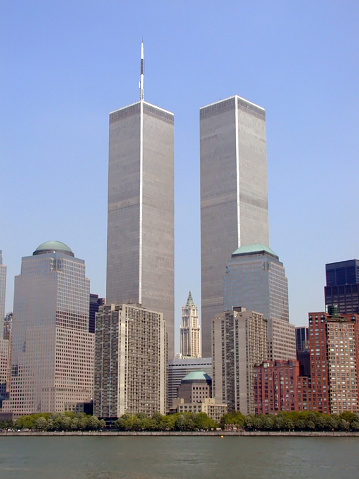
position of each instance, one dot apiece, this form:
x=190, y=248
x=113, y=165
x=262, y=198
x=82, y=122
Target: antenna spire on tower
x=142, y=72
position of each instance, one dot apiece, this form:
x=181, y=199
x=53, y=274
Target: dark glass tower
x=342, y=287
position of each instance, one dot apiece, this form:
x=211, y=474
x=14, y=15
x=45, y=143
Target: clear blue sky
x=65, y=65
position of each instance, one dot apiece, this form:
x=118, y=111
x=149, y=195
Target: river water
x=119, y=457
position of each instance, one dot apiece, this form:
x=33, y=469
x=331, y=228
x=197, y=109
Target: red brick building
x=276, y=386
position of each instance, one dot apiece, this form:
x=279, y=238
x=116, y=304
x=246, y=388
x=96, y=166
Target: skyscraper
x=52, y=350
x=255, y=279
x=342, y=287
x=239, y=342
x=130, y=361
x=190, y=331
x=140, y=230
x=95, y=303
x=234, y=198
x=2, y=291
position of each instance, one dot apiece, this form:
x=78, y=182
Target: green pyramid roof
x=257, y=248
x=197, y=376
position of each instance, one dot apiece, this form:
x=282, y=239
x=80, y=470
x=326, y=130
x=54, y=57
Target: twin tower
x=234, y=202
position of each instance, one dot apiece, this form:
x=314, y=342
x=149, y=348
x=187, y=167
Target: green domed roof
x=197, y=376
x=254, y=249
x=53, y=247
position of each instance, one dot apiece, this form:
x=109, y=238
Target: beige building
x=195, y=387
x=130, y=361
x=4, y=366
x=239, y=340
x=209, y=406
x=342, y=364
x=190, y=330
x=281, y=340
x=52, y=350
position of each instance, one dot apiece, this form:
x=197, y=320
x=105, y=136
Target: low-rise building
x=209, y=406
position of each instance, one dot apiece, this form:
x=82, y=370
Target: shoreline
x=184, y=433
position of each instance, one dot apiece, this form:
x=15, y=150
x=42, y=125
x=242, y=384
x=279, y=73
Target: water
x=99, y=457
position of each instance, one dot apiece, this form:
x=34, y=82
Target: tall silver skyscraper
x=2, y=293
x=234, y=197
x=140, y=230
x=255, y=279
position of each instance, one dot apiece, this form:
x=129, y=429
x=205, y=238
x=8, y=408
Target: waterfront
x=134, y=457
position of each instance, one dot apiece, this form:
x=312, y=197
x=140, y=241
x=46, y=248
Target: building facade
x=140, y=233
x=95, y=303
x=234, y=197
x=195, y=387
x=130, y=361
x=256, y=280
x=334, y=361
x=239, y=341
x=190, y=344
x=2, y=291
x=178, y=368
x=4, y=367
x=52, y=351
x=275, y=385
x=319, y=362
x=342, y=289
x=209, y=406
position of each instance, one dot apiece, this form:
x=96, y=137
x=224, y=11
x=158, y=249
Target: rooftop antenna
x=142, y=72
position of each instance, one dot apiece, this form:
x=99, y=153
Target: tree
x=249, y=422
x=202, y=421
x=102, y=424
x=93, y=423
x=41, y=424
x=343, y=425
x=268, y=423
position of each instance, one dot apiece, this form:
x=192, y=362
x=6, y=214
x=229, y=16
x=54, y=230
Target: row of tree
x=67, y=421
x=283, y=421
x=289, y=421
x=174, y=422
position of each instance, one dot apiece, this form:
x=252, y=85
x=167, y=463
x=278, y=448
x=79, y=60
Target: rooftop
x=197, y=376
x=53, y=247
x=257, y=248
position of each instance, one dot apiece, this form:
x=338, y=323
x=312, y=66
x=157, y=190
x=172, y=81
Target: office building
x=52, y=350
x=2, y=291
x=334, y=361
x=95, y=303
x=319, y=362
x=178, y=368
x=276, y=386
x=234, y=198
x=4, y=367
x=140, y=234
x=302, y=348
x=239, y=341
x=255, y=279
x=301, y=338
x=195, y=387
x=342, y=287
x=304, y=393
x=208, y=406
x=190, y=330
x=8, y=326
x=130, y=361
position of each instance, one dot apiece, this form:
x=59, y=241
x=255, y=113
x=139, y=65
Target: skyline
x=66, y=67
